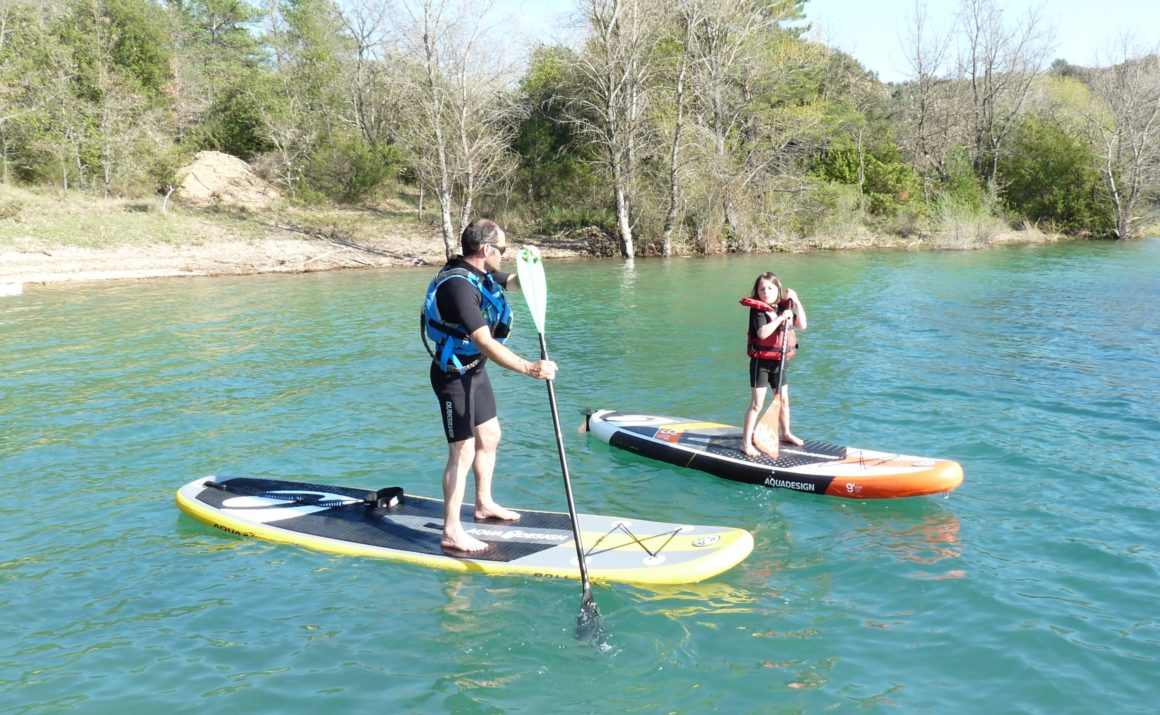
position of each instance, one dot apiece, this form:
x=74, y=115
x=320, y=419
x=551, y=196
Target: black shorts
x=465, y=400
x=763, y=373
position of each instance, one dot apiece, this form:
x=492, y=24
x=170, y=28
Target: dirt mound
x=217, y=179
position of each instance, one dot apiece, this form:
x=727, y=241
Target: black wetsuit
x=466, y=398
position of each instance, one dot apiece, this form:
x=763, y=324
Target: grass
x=32, y=219
x=35, y=218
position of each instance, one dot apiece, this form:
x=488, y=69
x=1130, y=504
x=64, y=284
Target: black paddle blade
x=588, y=626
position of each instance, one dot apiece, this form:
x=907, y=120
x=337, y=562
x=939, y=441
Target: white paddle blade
x=530, y=269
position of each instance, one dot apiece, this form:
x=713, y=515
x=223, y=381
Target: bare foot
x=462, y=542
x=788, y=437
x=750, y=450
x=495, y=511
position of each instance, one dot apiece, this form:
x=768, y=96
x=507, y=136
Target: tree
x=555, y=178
x=217, y=66
x=375, y=92
x=1124, y=126
x=464, y=124
x=687, y=18
x=22, y=39
x=142, y=50
x=1000, y=65
x=613, y=74
x=297, y=101
x=731, y=45
x=928, y=100
x=122, y=54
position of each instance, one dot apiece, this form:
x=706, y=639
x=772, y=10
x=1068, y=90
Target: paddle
x=770, y=421
x=530, y=270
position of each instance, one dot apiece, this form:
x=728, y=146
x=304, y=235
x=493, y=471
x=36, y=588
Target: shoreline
x=71, y=264
x=42, y=265
x=49, y=238
x=54, y=239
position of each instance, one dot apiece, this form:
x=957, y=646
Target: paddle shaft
x=784, y=352
x=567, y=477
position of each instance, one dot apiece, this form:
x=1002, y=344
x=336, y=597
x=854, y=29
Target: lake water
x=1032, y=588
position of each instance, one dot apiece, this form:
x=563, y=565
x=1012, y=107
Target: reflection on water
x=930, y=541
x=687, y=600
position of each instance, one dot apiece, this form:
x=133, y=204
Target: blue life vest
x=453, y=346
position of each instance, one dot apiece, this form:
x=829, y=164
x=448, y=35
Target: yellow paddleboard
x=346, y=520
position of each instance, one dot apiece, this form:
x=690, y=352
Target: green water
x=1032, y=588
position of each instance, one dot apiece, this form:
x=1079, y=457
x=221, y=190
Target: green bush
x=962, y=189
x=1051, y=177
x=350, y=169
x=232, y=125
x=888, y=184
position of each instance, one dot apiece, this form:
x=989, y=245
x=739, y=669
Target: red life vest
x=770, y=348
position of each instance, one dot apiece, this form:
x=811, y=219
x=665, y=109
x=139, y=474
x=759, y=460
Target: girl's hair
x=767, y=276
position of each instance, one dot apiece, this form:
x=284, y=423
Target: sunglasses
x=502, y=249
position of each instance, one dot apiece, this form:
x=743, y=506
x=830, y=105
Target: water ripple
x=1036, y=577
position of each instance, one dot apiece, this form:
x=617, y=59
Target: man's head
x=484, y=238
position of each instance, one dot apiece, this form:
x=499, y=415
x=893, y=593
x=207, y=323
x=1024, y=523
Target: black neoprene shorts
x=763, y=373
x=465, y=400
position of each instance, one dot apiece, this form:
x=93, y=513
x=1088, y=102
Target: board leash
x=385, y=498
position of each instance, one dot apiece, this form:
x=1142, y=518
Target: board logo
x=668, y=435
x=787, y=484
x=704, y=541
x=516, y=534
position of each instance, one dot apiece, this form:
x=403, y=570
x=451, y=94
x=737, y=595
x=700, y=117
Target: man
x=467, y=315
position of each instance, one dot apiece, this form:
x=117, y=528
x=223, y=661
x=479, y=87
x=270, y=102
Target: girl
x=769, y=311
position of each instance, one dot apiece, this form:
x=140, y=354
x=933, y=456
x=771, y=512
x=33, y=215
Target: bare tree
x=1124, y=126
x=724, y=47
x=1000, y=64
x=930, y=99
x=461, y=130
x=289, y=118
x=741, y=59
x=431, y=95
x=614, y=72
x=374, y=88
x=484, y=120
x=686, y=17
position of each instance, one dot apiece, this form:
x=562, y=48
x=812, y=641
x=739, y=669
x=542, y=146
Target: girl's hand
x=791, y=294
x=787, y=315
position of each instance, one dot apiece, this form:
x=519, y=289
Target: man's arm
x=503, y=356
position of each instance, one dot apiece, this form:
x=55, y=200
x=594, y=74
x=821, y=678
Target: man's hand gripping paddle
x=530, y=270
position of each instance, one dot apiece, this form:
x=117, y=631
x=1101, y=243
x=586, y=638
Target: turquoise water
x=1032, y=588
